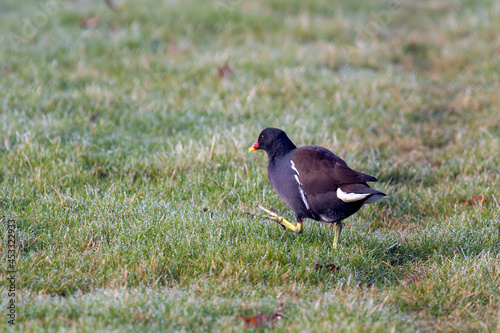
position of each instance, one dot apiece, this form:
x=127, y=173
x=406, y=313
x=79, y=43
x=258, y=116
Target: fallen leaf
x=100, y=174
x=93, y=117
x=330, y=267
x=261, y=319
x=173, y=48
x=411, y=279
x=414, y=278
x=225, y=71
x=476, y=200
x=90, y=22
x=110, y=4
x=367, y=284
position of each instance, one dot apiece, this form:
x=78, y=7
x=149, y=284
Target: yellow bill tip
x=254, y=147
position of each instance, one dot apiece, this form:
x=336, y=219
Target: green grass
x=123, y=160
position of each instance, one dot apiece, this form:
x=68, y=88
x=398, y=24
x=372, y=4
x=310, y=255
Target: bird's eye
x=262, y=137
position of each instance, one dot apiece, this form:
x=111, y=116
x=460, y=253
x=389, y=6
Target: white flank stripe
x=294, y=168
x=302, y=193
x=350, y=197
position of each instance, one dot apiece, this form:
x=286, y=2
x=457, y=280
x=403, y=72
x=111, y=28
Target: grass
x=123, y=160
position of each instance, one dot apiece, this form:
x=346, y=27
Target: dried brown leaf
x=411, y=279
x=100, y=173
x=476, y=200
x=93, y=117
x=261, y=319
x=225, y=71
x=330, y=267
x=90, y=22
x=111, y=5
x=173, y=48
x=414, y=278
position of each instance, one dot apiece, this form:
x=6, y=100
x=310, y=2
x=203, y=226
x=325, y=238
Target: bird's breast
x=285, y=179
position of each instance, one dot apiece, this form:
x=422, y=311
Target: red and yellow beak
x=254, y=147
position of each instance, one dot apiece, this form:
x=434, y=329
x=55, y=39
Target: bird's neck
x=280, y=148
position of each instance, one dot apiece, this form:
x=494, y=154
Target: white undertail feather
x=350, y=197
x=301, y=190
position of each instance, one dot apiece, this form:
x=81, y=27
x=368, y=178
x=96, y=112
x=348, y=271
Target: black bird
x=313, y=182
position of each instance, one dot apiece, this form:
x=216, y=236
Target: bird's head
x=273, y=140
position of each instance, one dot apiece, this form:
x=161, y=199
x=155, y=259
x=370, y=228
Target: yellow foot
x=275, y=217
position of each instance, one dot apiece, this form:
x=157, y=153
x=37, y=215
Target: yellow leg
x=282, y=221
x=338, y=229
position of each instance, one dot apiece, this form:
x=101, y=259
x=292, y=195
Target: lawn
x=124, y=164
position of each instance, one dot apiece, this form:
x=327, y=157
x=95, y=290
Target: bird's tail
x=359, y=191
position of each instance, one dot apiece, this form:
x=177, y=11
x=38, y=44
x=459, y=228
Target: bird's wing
x=321, y=171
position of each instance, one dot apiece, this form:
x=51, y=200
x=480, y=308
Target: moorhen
x=313, y=182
